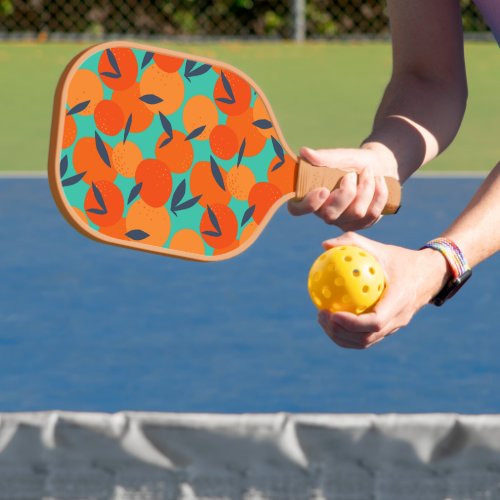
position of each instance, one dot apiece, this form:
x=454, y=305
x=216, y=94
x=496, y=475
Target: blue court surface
x=91, y=327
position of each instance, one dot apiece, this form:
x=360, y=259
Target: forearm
x=477, y=230
x=424, y=103
x=416, y=120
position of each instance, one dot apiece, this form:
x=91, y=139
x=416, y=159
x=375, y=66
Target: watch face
x=451, y=288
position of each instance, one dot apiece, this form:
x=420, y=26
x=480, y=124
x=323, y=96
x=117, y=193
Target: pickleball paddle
x=172, y=153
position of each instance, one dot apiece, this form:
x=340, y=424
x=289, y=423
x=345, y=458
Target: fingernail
x=306, y=150
x=323, y=195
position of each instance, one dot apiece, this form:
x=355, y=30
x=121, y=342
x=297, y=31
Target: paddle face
x=166, y=152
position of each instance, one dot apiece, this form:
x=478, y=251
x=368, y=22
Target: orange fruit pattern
x=155, y=181
x=104, y=203
x=108, y=116
x=159, y=151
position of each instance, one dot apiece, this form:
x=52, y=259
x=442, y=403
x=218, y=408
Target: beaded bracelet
x=459, y=267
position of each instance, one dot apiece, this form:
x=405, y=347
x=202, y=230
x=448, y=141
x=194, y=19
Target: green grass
x=324, y=95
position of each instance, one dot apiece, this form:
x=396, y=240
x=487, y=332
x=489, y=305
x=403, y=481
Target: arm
x=419, y=114
x=415, y=277
x=477, y=230
x=424, y=103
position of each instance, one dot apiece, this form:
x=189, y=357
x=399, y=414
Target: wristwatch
x=460, y=270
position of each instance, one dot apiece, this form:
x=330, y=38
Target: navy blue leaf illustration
x=147, y=58
x=99, y=198
x=101, y=149
x=110, y=75
x=216, y=173
x=77, y=108
x=188, y=203
x=247, y=215
x=134, y=193
x=211, y=233
x=191, y=71
x=165, y=123
x=63, y=166
x=195, y=133
x=241, y=152
x=215, y=223
x=200, y=70
x=167, y=127
x=127, y=128
x=225, y=100
x=165, y=142
x=114, y=64
x=137, y=234
x=279, y=164
x=227, y=87
x=151, y=99
x=73, y=179
x=98, y=211
x=177, y=197
x=189, y=66
x=278, y=149
x=263, y=124
x=178, y=194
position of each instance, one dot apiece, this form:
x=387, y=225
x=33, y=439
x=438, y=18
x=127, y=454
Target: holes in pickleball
x=371, y=270
x=330, y=268
x=362, y=254
x=360, y=309
x=379, y=288
x=327, y=293
x=339, y=281
x=366, y=289
x=317, y=300
x=317, y=276
x=356, y=273
x=347, y=258
x=346, y=299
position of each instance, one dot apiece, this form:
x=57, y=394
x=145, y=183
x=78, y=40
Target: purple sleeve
x=490, y=9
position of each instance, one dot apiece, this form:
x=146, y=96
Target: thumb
x=349, y=159
x=348, y=238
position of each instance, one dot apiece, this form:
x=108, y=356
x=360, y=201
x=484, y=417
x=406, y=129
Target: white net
x=154, y=456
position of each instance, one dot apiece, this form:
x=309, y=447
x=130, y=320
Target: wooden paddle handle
x=310, y=177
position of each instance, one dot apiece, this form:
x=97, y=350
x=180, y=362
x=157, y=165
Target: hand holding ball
x=346, y=278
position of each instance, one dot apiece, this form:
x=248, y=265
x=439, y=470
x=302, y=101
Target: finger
x=356, y=215
x=362, y=324
x=348, y=238
x=338, y=334
x=343, y=343
x=377, y=204
x=340, y=339
x=311, y=203
x=337, y=158
x=380, y=197
x=340, y=199
x=365, y=191
x=362, y=340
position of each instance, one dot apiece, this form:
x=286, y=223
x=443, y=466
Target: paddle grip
x=310, y=177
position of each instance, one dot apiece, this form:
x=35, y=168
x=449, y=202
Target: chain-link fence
x=193, y=18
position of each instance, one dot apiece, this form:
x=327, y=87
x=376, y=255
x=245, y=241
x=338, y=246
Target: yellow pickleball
x=346, y=278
